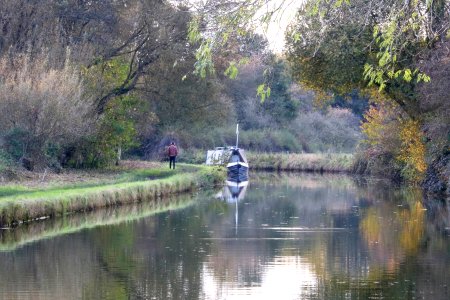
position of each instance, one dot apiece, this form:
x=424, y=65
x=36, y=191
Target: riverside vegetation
x=309, y=162
x=393, y=52
x=19, y=204
x=278, y=161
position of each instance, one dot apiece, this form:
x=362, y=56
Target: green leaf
x=225, y=37
x=232, y=71
x=423, y=77
x=376, y=30
x=204, y=64
x=262, y=92
x=193, y=31
x=407, y=75
x=243, y=61
x=340, y=2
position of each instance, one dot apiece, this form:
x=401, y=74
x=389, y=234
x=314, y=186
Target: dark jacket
x=172, y=151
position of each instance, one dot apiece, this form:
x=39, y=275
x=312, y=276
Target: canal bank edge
x=11, y=240
x=26, y=207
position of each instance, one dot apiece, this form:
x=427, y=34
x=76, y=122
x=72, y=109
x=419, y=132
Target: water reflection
x=298, y=237
x=232, y=193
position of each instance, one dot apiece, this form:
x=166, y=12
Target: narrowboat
x=233, y=157
x=237, y=167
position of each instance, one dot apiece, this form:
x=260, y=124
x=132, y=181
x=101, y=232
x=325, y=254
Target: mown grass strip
x=121, y=177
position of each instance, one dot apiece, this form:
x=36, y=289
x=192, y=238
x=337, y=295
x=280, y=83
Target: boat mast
x=237, y=135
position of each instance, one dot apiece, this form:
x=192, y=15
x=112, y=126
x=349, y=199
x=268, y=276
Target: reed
x=310, y=162
x=27, y=205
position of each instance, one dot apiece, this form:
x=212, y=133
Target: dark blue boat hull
x=237, y=172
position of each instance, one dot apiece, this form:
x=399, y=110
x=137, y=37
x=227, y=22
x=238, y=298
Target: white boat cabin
x=218, y=156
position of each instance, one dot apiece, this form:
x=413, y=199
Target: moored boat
x=233, y=157
x=237, y=166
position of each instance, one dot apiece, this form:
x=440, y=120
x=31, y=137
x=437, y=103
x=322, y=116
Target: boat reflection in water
x=233, y=193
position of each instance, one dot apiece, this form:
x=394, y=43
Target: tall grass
x=283, y=161
x=312, y=162
x=29, y=205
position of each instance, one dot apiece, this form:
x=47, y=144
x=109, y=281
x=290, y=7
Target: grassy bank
x=19, y=203
x=309, y=162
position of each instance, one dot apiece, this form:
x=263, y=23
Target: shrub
x=42, y=108
x=5, y=161
x=393, y=146
x=193, y=156
x=114, y=133
x=336, y=130
x=211, y=176
x=412, y=152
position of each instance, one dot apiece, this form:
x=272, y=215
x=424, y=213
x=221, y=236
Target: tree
x=390, y=41
x=377, y=41
x=158, y=27
x=49, y=27
x=280, y=105
x=94, y=33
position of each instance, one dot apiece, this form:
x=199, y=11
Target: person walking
x=172, y=151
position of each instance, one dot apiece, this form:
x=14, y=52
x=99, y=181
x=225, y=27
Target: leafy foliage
x=115, y=133
x=329, y=55
x=412, y=153
x=400, y=139
x=391, y=39
x=263, y=105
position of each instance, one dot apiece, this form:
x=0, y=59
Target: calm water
x=286, y=237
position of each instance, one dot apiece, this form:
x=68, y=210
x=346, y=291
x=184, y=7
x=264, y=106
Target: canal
x=285, y=236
